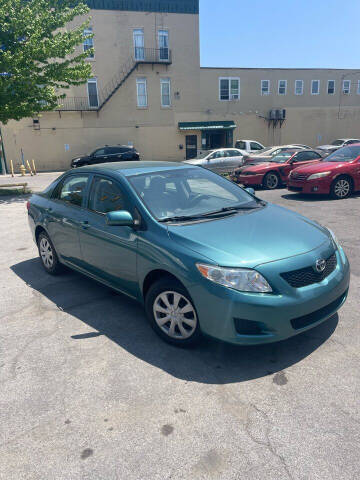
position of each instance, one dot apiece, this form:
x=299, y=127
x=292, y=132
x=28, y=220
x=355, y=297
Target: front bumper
x=318, y=186
x=279, y=315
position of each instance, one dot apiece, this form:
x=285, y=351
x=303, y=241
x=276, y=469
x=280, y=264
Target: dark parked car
x=117, y=153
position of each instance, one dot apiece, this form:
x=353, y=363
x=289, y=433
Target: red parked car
x=337, y=175
x=274, y=173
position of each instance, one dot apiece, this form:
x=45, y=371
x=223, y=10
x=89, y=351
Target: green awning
x=206, y=125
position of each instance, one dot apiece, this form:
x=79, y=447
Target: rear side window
x=241, y=145
x=106, y=196
x=72, y=189
x=112, y=150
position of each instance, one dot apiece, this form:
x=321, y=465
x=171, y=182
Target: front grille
x=299, y=177
x=295, y=189
x=306, y=320
x=308, y=275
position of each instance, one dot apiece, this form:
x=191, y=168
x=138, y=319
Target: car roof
x=133, y=167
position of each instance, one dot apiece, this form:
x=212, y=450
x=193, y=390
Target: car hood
x=251, y=237
x=262, y=167
x=321, y=166
x=80, y=157
x=328, y=147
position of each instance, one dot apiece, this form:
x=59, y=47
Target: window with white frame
x=163, y=41
x=315, y=87
x=265, y=87
x=139, y=50
x=282, y=87
x=346, y=87
x=299, y=87
x=358, y=87
x=93, y=93
x=88, y=43
x=331, y=87
x=165, y=86
x=141, y=92
x=229, y=88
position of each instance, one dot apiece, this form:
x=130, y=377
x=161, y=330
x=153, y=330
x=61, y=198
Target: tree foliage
x=38, y=55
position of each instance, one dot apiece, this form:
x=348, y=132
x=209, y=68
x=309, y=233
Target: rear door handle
x=85, y=224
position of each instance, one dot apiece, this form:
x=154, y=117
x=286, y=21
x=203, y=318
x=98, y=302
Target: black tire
x=342, y=187
x=271, y=181
x=53, y=266
x=166, y=287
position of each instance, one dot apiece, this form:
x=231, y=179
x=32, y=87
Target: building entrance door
x=191, y=146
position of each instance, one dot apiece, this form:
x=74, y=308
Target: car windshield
x=337, y=142
x=178, y=194
x=281, y=157
x=345, y=154
x=205, y=154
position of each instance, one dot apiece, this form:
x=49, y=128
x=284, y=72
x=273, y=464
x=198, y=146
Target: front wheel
x=172, y=313
x=341, y=188
x=271, y=181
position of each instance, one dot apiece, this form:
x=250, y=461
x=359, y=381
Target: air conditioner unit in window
x=234, y=97
x=272, y=114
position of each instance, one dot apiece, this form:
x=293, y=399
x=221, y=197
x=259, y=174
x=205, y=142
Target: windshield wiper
x=216, y=213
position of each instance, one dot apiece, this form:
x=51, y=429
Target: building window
x=165, y=92
x=93, y=93
x=358, y=87
x=346, y=87
x=163, y=42
x=282, y=87
x=229, y=88
x=265, y=87
x=139, y=50
x=331, y=87
x=141, y=92
x=315, y=87
x=88, y=43
x=299, y=87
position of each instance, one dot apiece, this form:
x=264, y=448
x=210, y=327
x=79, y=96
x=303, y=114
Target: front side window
x=93, y=93
x=165, y=92
x=88, y=42
x=346, y=87
x=194, y=191
x=282, y=85
x=255, y=146
x=139, y=50
x=105, y=196
x=99, y=153
x=299, y=87
x=229, y=88
x=331, y=87
x=315, y=87
x=265, y=87
x=72, y=189
x=163, y=40
x=141, y=91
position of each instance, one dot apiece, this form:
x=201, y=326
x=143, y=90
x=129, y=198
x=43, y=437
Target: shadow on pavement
x=300, y=197
x=123, y=321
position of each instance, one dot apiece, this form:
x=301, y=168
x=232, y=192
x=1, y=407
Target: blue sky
x=280, y=33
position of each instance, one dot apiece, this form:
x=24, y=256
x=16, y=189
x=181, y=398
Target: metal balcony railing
x=96, y=102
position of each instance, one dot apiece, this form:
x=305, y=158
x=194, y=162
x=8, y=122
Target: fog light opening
x=249, y=327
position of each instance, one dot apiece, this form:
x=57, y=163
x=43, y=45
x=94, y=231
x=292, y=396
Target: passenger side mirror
x=250, y=190
x=120, y=218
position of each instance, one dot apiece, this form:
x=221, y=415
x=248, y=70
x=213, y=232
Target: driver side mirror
x=119, y=218
x=250, y=190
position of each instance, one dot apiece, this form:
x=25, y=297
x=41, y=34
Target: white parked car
x=249, y=145
x=222, y=160
x=336, y=144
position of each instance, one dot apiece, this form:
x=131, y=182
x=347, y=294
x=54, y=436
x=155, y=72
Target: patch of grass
x=16, y=191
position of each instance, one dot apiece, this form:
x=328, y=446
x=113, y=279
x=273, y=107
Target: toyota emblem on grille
x=320, y=265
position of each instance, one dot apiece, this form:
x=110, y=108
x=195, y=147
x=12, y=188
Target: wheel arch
x=344, y=175
x=155, y=275
x=38, y=230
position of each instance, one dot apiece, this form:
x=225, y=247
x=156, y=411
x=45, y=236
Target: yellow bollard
x=22, y=170
x=29, y=168
x=12, y=168
x=33, y=165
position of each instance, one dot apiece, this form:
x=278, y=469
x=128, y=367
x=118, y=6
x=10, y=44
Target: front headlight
x=334, y=238
x=242, y=279
x=318, y=175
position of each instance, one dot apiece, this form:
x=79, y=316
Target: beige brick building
x=150, y=91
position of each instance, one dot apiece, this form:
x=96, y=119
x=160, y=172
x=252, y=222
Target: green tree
x=38, y=56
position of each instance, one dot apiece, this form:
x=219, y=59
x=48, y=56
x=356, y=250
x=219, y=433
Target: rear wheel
x=172, y=313
x=271, y=181
x=48, y=256
x=341, y=187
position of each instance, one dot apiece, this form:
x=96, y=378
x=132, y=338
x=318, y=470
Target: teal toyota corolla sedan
x=203, y=255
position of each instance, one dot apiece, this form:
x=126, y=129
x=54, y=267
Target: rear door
x=64, y=217
x=109, y=252
x=99, y=156
x=232, y=159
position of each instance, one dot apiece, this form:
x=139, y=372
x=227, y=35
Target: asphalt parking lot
x=89, y=392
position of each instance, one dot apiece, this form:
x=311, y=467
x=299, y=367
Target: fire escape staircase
x=96, y=102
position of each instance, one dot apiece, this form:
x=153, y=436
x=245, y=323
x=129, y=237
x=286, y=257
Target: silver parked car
x=222, y=160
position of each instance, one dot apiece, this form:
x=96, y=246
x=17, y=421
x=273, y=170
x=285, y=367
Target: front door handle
x=48, y=210
x=85, y=224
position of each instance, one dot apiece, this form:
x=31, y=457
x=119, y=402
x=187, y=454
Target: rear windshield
x=345, y=154
x=337, y=142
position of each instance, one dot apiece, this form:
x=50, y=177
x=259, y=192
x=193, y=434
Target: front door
x=299, y=160
x=191, y=146
x=109, y=252
x=64, y=216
